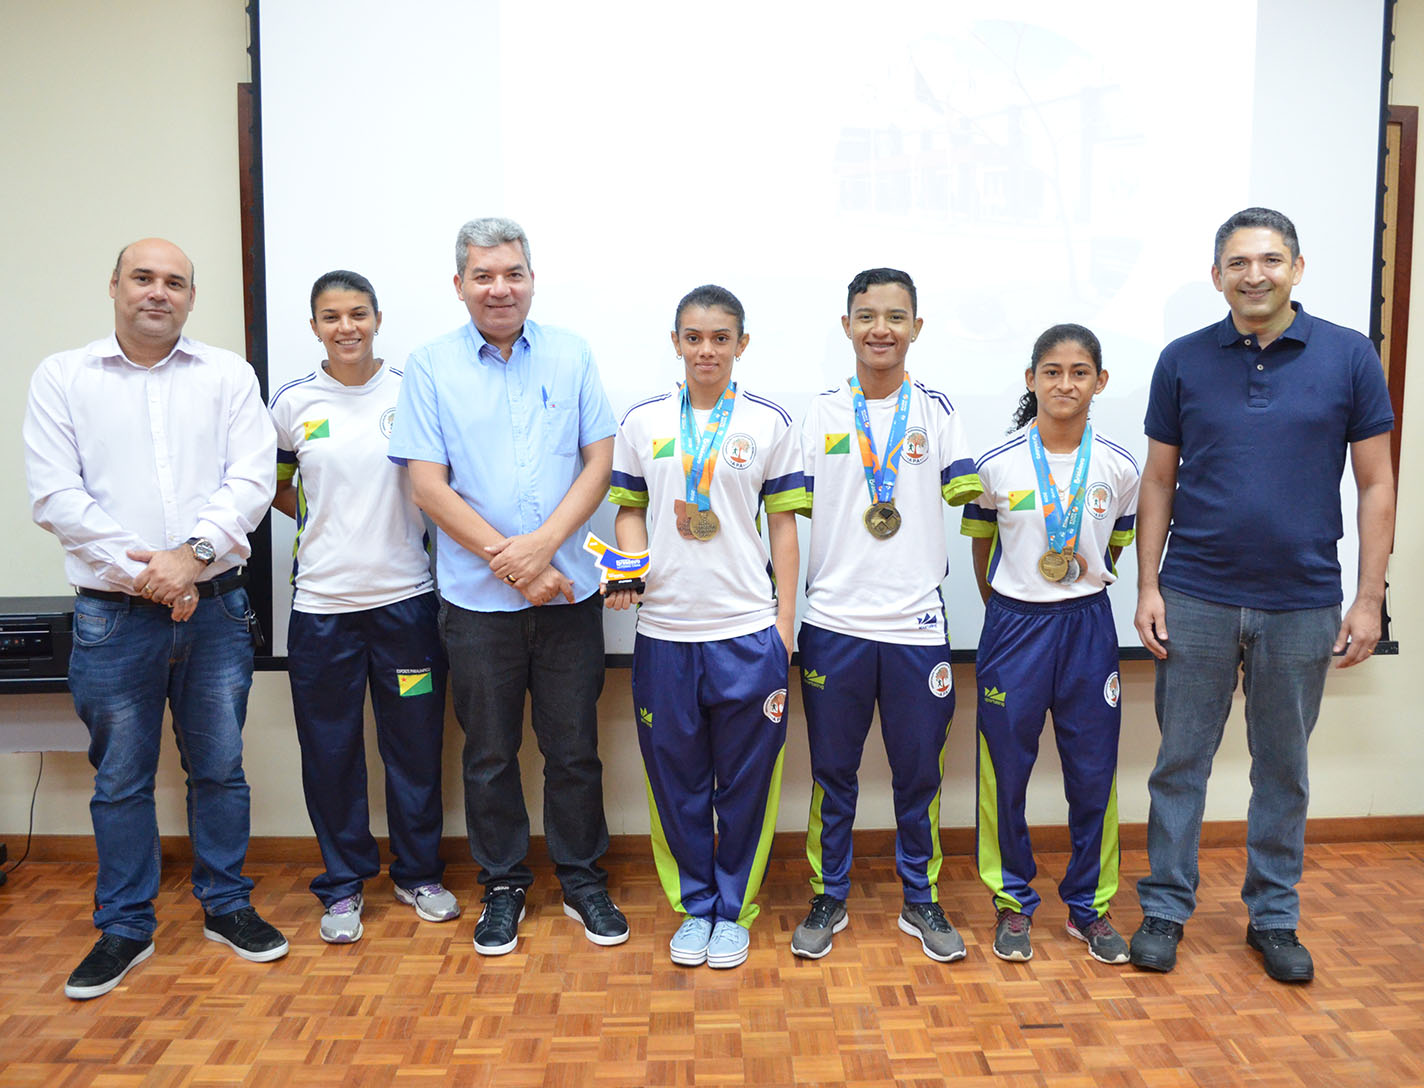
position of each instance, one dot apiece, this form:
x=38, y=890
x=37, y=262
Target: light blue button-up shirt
x=510, y=433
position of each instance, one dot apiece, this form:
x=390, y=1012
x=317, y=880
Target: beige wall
x=112, y=138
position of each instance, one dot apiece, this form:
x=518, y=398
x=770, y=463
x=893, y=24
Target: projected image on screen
x=1068, y=163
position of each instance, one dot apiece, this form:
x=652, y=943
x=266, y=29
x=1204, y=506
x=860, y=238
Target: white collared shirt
x=121, y=456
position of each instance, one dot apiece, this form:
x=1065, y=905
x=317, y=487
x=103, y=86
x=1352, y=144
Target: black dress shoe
x=1287, y=960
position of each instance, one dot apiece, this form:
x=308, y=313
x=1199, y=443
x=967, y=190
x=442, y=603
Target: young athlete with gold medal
x=1044, y=557
x=875, y=631
x=692, y=469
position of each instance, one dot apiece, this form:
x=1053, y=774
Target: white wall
x=123, y=124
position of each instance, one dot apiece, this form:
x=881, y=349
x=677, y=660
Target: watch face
x=203, y=549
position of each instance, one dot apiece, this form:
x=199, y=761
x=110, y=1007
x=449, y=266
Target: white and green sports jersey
x=1010, y=513
x=360, y=538
x=883, y=590
x=698, y=591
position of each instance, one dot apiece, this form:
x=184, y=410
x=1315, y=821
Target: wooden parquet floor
x=413, y=1004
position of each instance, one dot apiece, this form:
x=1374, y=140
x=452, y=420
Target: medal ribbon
x=1062, y=526
x=698, y=466
x=880, y=476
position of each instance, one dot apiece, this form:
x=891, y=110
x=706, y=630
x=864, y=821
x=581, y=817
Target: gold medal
x=882, y=520
x=703, y=524
x=1053, y=566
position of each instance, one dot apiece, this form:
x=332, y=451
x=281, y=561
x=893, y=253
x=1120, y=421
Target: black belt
x=224, y=583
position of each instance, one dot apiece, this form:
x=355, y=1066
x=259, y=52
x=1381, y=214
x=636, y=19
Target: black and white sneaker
x=497, y=931
x=111, y=958
x=247, y=934
x=603, y=923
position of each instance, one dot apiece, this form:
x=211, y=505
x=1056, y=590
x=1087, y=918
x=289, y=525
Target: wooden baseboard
x=873, y=842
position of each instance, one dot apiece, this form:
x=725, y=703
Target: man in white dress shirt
x=151, y=457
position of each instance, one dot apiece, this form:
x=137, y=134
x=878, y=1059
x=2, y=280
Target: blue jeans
x=129, y=660
x=554, y=655
x=1284, y=657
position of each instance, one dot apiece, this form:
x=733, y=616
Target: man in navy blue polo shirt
x=509, y=439
x=1248, y=422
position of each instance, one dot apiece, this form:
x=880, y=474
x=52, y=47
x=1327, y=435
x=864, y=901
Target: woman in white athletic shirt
x=692, y=469
x=364, y=613
x=1058, y=506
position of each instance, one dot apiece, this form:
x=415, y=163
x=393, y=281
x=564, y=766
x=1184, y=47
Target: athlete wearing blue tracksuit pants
x=1058, y=504
x=884, y=454
x=692, y=469
x=364, y=614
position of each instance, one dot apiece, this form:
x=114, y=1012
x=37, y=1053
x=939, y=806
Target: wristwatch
x=203, y=550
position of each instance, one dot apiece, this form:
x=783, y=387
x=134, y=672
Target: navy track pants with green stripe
x=1034, y=658
x=712, y=729
x=843, y=678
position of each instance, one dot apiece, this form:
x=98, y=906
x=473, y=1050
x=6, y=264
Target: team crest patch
x=838, y=443
x=664, y=447
x=1021, y=500
x=917, y=446
x=1098, y=500
x=316, y=428
x=1112, y=690
x=775, y=705
x=941, y=680
x=739, y=450
x=388, y=422
x=411, y=682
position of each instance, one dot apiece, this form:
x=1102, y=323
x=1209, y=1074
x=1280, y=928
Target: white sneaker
x=341, y=924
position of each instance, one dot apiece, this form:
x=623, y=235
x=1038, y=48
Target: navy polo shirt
x=1263, y=436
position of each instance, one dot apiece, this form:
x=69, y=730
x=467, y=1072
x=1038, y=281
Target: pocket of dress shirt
x=561, y=430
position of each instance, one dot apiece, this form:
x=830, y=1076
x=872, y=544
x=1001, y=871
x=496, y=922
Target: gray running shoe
x=1011, y=936
x=1105, y=944
x=341, y=924
x=812, y=938
x=431, y=902
x=937, y=937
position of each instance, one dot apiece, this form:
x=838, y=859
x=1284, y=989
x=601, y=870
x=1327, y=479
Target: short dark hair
x=1248, y=218
x=709, y=295
x=1067, y=333
x=872, y=276
x=342, y=280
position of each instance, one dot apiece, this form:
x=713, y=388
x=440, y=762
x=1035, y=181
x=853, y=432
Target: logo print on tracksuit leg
x=994, y=697
x=1112, y=690
x=941, y=680
x=775, y=705
x=645, y=716
x=411, y=682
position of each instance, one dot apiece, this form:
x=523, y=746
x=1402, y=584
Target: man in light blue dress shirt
x=509, y=440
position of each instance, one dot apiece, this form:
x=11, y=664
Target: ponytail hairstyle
x=1027, y=410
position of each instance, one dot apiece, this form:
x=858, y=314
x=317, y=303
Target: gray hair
x=486, y=234
x=1257, y=217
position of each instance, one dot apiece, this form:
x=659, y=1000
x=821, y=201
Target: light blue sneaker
x=729, y=945
x=689, y=944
